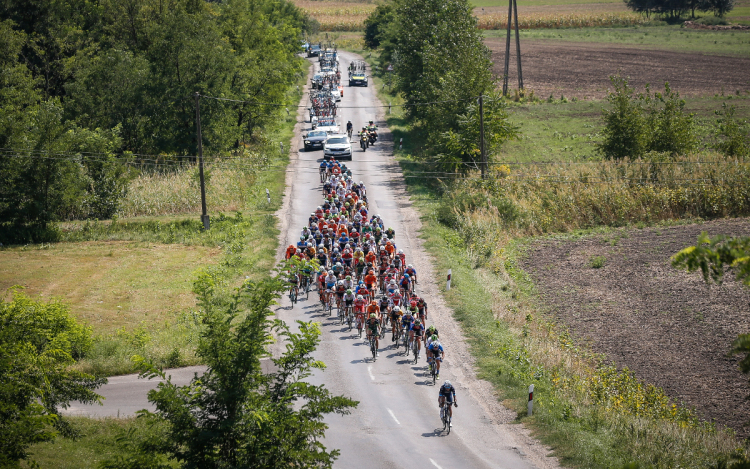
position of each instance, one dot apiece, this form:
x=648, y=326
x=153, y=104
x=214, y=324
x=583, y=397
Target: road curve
x=396, y=422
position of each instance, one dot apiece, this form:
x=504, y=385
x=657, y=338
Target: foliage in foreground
x=234, y=415
x=38, y=343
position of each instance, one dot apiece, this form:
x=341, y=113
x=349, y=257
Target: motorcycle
x=372, y=137
x=363, y=142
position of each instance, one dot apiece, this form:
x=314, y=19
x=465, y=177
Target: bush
x=624, y=124
x=636, y=124
x=735, y=133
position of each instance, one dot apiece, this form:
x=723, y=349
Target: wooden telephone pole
x=512, y=14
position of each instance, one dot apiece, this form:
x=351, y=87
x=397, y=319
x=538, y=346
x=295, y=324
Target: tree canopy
x=235, y=415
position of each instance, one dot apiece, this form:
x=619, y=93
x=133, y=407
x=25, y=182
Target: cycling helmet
x=321, y=246
x=446, y=383
x=359, y=297
x=340, y=282
x=372, y=315
x=396, y=309
x=400, y=251
x=291, y=246
x=388, y=243
x=408, y=266
x=338, y=264
x=434, y=338
x=382, y=248
x=348, y=277
x=361, y=182
x=349, y=291
x=302, y=238
x=393, y=281
x=312, y=214
x=330, y=272
x=417, y=322
x=309, y=245
x=406, y=276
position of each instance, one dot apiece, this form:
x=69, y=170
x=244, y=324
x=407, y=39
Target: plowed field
x=583, y=69
x=664, y=324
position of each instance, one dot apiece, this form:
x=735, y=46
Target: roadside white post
x=531, y=399
x=268, y=196
x=401, y=144
x=448, y=285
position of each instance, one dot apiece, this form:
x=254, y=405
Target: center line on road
x=399, y=423
x=435, y=464
x=372, y=377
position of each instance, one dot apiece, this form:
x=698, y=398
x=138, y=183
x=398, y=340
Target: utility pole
x=204, y=216
x=512, y=8
x=481, y=137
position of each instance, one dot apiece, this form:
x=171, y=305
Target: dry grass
x=110, y=284
x=338, y=16
x=178, y=191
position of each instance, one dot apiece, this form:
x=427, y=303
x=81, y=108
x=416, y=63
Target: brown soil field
x=582, y=70
x=664, y=324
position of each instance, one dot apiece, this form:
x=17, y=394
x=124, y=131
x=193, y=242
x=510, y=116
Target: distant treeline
x=676, y=8
x=82, y=82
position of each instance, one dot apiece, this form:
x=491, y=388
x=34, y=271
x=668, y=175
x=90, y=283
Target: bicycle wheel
x=408, y=348
x=448, y=420
x=433, y=371
x=416, y=352
x=372, y=348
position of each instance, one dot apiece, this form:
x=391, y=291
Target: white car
x=337, y=146
x=327, y=124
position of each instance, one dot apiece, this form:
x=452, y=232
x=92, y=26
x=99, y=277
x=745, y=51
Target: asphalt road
x=397, y=422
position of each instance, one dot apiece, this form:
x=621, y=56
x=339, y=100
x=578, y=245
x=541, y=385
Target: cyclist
x=340, y=290
x=416, y=332
x=370, y=280
x=436, y=352
x=405, y=284
x=290, y=251
x=348, y=299
x=422, y=308
x=373, y=329
x=447, y=392
x=396, y=314
x=412, y=272
x=293, y=280
x=349, y=128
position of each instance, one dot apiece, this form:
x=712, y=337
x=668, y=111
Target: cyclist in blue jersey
x=436, y=352
x=447, y=392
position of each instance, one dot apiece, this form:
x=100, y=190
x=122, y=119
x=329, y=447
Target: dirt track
x=663, y=324
x=582, y=69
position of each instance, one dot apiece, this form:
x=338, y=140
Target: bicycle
x=349, y=316
x=329, y=303
x=293, y=294
x=372, y=347
x=433, y=370
x=359, y=326
x=415, y=344
x=446, y=416
x=408, y=341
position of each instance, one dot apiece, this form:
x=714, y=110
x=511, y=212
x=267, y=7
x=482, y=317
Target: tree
x=456, y=148
x=376, y=24
x=624, y=133
x=439, y=58
x=673, y=129
x=736, y=133
x=720, y=7
x=234, y=415
x=38, y=343
x=711, y=255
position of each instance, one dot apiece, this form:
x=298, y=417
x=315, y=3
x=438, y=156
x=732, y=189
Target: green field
x=570, y=131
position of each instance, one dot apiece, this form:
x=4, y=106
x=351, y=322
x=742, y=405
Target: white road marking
x=372, y=377
x=397, y=422
x=435, y=464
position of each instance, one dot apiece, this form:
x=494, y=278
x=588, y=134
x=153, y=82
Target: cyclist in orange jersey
x=390, y=249
x=371, y=257
x=290, y=251
x=371, y=280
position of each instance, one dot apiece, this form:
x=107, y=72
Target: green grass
x=96, y=442
x=570, y=131
x=674, y=38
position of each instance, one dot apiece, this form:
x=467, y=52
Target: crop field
x=618, y=292
x=579, y=65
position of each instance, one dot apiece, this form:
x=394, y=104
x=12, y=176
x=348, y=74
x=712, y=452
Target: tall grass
x=533, y=199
